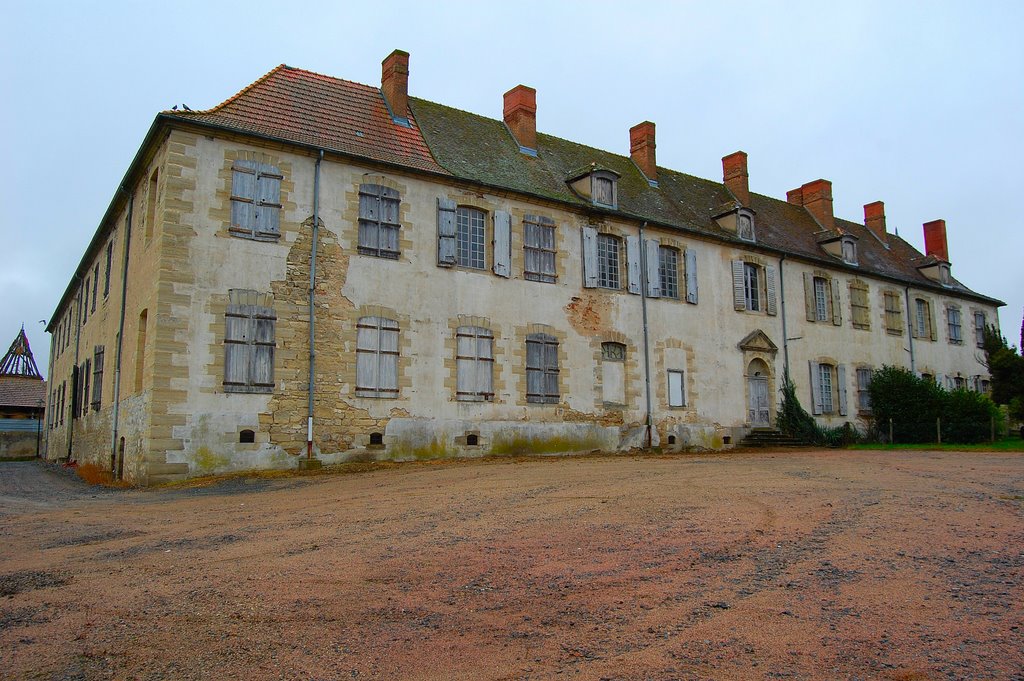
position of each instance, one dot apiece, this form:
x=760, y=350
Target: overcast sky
x=917, y=104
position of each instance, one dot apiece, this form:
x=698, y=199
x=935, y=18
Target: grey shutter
x=633, y=259
x=653, y=269
x=816, y=406
x=268, y=201
x=502, y=243
x=837, y=310
x=809, y=304
x=691, y=276
x=261, y=372
x=445, y=232
x=243, y=195
x=739, y=301
x=367, y=350
x=933, y=332
x=238, y=334
x=389, y=358
x=769, y=277
x=841, y=379
x=589, y=257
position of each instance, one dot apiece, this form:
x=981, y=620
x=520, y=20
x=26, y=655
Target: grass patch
x=1010, y=444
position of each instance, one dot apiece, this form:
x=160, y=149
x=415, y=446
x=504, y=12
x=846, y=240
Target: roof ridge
x=233, y=97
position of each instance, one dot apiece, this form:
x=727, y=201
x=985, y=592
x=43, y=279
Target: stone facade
x=176, y=416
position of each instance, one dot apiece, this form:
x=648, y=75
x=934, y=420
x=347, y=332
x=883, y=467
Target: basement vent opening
x=671, y=439
x=376, y=438
x=472, y=440
x=727, y=440
x=246, y=436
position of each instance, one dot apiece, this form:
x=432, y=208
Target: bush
x=793, y=420
x=968, y=417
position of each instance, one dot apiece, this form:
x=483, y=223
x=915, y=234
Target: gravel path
x=787, y=565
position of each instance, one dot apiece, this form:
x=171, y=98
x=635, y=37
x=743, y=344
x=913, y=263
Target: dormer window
x=738, y=220
x=849, y=247
x=597, y=184
x=944, y=276
x=745, y=225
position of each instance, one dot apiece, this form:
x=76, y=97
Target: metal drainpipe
x=49, y=397
x=312, y=294
x=782, y=310
x=910, y=333
x=74, y=386
x=647, y=349
x=120, y=327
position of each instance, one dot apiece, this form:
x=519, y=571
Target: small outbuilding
x=22, y=401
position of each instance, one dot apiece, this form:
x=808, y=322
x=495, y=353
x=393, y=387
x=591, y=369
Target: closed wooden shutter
x=261, y=373
x=933, y=331
x=809, y=304
x=589, y=236
x=837, y=309
x=542, y=368
x=816, y=406
x=653, y=259
x=445, y=232
x=97, y=377
x=243, y=196
x=502, y=243
x=633, y=259
x=268, y=201
x=378, y=220
x=376, y=357
x=841, y=379
x=238, y=335
x=691, y=276
x=474, y=363
x=769, y=278
x=739, y=301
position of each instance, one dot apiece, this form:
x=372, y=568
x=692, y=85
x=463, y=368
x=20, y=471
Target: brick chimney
x=394, y=83
x=874, y=219
x=734, y=173
x=935, y=239
x=641, y=149
x=816, y=197
x=521, y=115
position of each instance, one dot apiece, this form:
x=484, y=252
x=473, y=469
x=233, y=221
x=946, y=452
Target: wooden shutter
x=932, y=330
x=739, y=301
x=502, y=243
x=837, y=309
x=261, y=370
x=809, y=304
x=633, y=259
x=268, y=201
x=589, y=257
x=653, y=269
x=238, y=334
x=445, y=232
x=841, y=379
x=691, y=276
x=769, y=278
x=243, y=196
x=816, y=406
x=97, y=377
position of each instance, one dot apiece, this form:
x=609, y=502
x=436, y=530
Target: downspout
x=50, y=411
x=782, y=306
x=120, y=327
x=312, y=295
x=647, y=349
x=75, y=385
x=910, y=329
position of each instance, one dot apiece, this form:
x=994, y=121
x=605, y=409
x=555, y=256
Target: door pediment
x=758, y=341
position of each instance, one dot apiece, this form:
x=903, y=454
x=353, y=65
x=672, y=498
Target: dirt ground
x=784, y=565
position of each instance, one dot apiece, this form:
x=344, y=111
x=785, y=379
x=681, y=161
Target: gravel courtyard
x=778, y=565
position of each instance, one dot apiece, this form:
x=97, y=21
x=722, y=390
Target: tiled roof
x=16, y=391
x=313, y=109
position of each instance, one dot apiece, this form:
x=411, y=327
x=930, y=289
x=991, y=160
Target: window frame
x=893, y=314
x=546, y=371
x=609, y=266
x=466, y=242
x=954, y=325
x=538, y=226
x=863, y=389
x=372, y=344
x=682, y=388
x=242, y=194
x=821, y=299
x=481, y=365
x=249, y=340
x=377, y=202
x=980, y=324
x=825, y=383
x=604, y=176
x=860, y=306
x=668, y=273
x=752, y=290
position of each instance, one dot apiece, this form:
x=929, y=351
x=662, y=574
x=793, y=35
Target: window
x=82, y=408
x=85, y=302
x=378, y=221
x=106, y=276
x=928, y=377
x=821, y=312
x=863, y=383
x=953, y=324
x=474, y=359
x=249, y=342
x=63, y=401
x=469, y=237
x=608, y=253
x=745, y=226
x=753, y=287
x=95, y=285
x=859, y=308
x=541, y=368
x=97, y=377
x=959, y=383
x=377, y=357
x=539, y=248
x=603, y=189
x=668, y=272
x=676, y=393
x=613, y=378
x=255, y=200
x=923, y=326
x=979, y=329
x=893, y=313
x=828, y=388
x=849, y=249
x=246, y=436
x=151, y=197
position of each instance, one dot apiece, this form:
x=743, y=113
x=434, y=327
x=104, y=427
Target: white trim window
x=820, y=300
x=668, y=272
x=676, y=388
x=609, y=249
x=377, y=357
x=470, y=237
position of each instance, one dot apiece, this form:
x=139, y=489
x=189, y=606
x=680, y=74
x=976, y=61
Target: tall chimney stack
x=816, y=197
x=935, y=239
x=394, y=83
x=874, y=219
x=520, y=113
x=734, y=173
x=641, y=149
